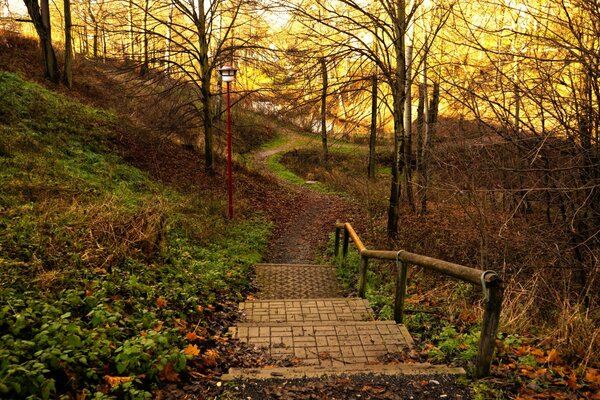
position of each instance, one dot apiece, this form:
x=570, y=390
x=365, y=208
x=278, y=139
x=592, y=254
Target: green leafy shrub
x=88, y=244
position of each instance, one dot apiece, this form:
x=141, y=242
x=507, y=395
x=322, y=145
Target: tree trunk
x=95, y=42
x=205, y=94
x=407, y=165
x=68, y=73
x=430, y=129
x=145, y=64
x=168, y=40
x=398, y=93
x=40, y=16
x=422, y=133
x=373, y=135
x=325, y=155
x=131, y=33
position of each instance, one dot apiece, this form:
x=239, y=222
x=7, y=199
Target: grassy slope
x=102, y=269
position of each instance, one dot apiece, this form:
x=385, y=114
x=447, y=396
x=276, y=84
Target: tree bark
x=398, y=93
x=146, y=62
x=68, y=73
x=373, y=134
x=325, y=155
x=40, y=16
x=205, y=94
x=407, y=154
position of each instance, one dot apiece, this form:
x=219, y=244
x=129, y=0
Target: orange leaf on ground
x=572, y=382
x=553, y=356
x=158, y=326
x=191, y=336
x=536, y=352
x=113, y=381
x=210, y=358
x=180, y=324
x=161, y=302
x=592, y=376
x=191, y=350
x=168, y=373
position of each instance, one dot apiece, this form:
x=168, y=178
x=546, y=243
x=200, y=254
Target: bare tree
x=40, y=16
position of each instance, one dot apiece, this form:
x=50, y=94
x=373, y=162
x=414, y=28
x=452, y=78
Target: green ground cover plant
x=103, y=271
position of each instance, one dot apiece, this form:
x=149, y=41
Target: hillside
x=104, y=270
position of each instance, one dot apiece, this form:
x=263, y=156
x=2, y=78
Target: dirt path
x=303, y=226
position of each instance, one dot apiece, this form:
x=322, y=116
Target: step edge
x=347, y=370
x=319, y=323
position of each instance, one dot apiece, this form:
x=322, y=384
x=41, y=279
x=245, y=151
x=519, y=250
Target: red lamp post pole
x=229, y=175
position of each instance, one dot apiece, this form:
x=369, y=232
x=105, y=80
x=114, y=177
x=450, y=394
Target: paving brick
x=300, y=315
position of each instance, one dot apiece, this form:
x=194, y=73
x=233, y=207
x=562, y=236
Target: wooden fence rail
x=489, y=281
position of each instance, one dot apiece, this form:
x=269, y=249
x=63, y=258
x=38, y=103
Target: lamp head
x=227, y=73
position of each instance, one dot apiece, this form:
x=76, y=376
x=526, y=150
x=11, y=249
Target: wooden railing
x=489, y=281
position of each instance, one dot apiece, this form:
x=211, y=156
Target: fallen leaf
x=113, y=381
x=180, y=324
x=592, y=376
x=553, y=356
x=161, y=302
x=210, y=358
x=168, y=373
x=572, y=382
x=191, y=336
x=537, y=352
x=220, y=339
x=158, y=326
x=191, y=350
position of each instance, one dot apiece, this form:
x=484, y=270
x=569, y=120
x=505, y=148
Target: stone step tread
x=306, y=310
x=332, y=324
x=292, y=265
x=297, y=281
x=345, y=370
x=327, y=344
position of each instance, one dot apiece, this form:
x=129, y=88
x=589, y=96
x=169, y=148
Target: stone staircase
x=301, y=316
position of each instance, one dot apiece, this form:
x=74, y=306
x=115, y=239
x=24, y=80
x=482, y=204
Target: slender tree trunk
x=398, y=93
x=205, y=93
x=373, y=134
x=86, y=46
x=325, y=155
x=68, y=74
x=95, y=42
x=168, y=39
x=430, y=129
x=407, y=165
x=421, y=139
x=146, y=63
x=131, y=33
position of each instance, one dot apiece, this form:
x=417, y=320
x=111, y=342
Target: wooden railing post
x=489, y=328
x=401, y=274
x=337, y=242
x=345, y=246
x=362, y=278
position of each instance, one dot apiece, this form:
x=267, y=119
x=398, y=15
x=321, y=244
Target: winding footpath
x=301, y=318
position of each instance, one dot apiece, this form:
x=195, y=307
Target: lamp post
x=228, y=74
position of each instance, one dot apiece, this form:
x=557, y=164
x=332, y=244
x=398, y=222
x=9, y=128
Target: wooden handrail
x=489, y=281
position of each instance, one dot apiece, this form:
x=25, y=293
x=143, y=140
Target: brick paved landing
x=296, y=281
x=302, y=318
